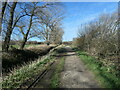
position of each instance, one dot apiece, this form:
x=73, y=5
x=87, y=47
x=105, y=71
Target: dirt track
x=75, y=74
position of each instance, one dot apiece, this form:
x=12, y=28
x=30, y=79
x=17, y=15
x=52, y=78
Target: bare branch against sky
x=62, y=0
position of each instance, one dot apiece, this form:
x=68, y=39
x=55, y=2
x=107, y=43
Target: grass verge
x=16, y=57
x=19, y=76
x=55, y=80
x=105, y=78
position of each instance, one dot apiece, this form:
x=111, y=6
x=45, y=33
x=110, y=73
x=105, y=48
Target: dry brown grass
x=17, y=57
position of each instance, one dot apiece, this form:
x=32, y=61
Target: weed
x=19, y=76
x=106, y=78
x=56, y=76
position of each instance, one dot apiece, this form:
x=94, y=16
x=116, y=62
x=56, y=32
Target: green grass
x=105, y=78
x=16, y=46
x=18, y=76
x=0, y=47
x=56, y=75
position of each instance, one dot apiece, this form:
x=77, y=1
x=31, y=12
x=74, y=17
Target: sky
x=77, y=13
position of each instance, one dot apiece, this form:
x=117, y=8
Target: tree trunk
x=2, y=13
x=23, y=42
x=9, y=28
x=3, y=8
x=26, y=35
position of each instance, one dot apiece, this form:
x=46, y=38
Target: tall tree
x=51, y=23
x=34, y=9
x=3, y=8
x=9, y=28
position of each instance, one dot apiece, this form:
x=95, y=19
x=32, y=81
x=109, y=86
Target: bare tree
x=4, y=4
x=33, y=11
x=30, y=12
x=15, y=17
x=9, y=28
x=56, y=35
x=100, y=37
x=51, y=23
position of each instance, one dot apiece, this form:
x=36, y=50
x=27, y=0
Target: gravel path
x=75, y=74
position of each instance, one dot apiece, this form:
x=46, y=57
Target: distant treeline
x=28, y=42
x=36, y=42
x=67, y=43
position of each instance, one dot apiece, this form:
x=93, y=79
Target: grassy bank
x=56, y=75
x=17, y=57
x=55, y=80
x=19, y=76
x=106, y=78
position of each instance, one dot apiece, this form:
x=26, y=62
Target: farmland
x=59, y=45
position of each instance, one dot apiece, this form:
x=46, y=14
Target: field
x=26, y=46
x=56, y=45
